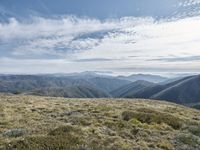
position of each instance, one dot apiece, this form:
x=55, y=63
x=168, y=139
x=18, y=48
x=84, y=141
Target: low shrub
x=165, y=145
x=190, y=140
x=48, y=142
x=65, y=130
x=195, y=130
x=151, y=116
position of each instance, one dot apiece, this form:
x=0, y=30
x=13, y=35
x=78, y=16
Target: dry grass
x=33, y=122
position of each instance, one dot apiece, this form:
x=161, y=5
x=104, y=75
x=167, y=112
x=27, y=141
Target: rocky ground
x=41, y=123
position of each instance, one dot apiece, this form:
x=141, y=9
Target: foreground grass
x=40, y=123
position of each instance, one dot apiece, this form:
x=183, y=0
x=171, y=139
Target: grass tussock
x=32, y=122
x=151, y=116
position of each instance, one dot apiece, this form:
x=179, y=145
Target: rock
x=108, y=131
x=72, y=113
x=15, y=132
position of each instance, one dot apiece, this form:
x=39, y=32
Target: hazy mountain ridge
x=184, y=91
x=144, y=77
x=75, y=86
x=131, y=89
x=76, y=91
x=187, y=91
x=149, y=91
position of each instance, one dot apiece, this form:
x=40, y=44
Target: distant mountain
x=108, y=84
x=73, y=86
x=144, y=77
x=83, y=75
x=77, y=91
x=173, y=79
x=183, y=91
x=130, y=89
x=38, y=81
x=104, y=82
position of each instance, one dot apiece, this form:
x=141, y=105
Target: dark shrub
x=151, y=116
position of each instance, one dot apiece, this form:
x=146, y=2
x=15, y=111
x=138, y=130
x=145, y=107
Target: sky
x=118, y=36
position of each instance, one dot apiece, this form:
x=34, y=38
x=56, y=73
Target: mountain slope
x=144, y=77
x=186, y=90
x=76, y=91
x=50, y=86
x=130, y=89
x=67, y=86
x=108, y=84
x=17, y=83
x=104, y=82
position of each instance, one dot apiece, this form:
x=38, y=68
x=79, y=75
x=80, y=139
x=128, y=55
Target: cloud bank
x=72, y=44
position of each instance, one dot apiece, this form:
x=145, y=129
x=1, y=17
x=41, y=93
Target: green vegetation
x=195, y=130
x=150, y=116
x=33, y=122
x=189, y=141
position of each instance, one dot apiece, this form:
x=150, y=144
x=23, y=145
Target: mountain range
x=131, y=89
x=144, y=77
x=79, y=85
x=184, y=91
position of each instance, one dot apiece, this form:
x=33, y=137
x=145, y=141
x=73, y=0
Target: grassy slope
x=33, y=122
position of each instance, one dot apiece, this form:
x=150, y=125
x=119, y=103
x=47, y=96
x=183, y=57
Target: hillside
x=183, y=91
x=64, y=86
x=130, y=89
x=33, y=122
x=144, y=77
x=186, y=91
x=76, y=91
x=108, y=84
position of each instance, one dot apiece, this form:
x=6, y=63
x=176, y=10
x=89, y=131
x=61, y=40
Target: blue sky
x=121, y=36
x=92, y=8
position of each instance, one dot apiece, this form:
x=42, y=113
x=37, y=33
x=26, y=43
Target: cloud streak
x=178, y=59
x=81, y=44
x=61, y=36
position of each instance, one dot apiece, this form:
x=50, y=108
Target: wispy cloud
x=77, y=44
x=187, y=8
x=97, y=60
x=189, y=3
x=61, y=36
x=177, y=59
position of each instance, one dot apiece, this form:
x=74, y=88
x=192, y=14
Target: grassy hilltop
x=33, y=122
